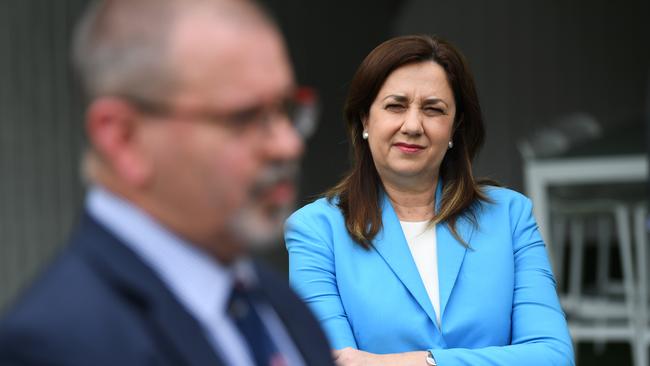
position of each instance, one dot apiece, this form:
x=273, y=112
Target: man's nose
x=283, y=142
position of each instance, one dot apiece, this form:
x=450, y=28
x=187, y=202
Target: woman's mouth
x=408, y=148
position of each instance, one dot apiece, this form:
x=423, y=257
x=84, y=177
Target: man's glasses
x=300, y=109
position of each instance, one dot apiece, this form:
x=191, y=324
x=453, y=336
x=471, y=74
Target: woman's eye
x=431, y=111
x=395, y=107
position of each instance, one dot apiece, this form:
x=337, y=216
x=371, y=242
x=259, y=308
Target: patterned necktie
x=242, y=310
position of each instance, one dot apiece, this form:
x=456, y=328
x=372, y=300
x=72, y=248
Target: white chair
x=609, y=311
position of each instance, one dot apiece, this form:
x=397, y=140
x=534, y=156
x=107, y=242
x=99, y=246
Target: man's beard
x=258, y=224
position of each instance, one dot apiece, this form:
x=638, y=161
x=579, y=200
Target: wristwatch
x=431, y=361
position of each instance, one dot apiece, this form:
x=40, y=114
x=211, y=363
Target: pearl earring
x=450, y=144
x=364, y=135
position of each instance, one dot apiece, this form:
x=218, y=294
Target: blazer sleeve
x=539, y=330
x=312, y=274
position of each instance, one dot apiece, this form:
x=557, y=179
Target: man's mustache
x=274, y=174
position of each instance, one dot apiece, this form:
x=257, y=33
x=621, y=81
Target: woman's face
x=410, y=123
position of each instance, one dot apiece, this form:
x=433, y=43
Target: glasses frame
x=300, y=109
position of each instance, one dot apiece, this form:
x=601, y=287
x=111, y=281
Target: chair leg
x=629, y=283
x=604, y=232
x=641, y=241
x=627, y=266
x=559, y=236
x=577, y=253
x=603, y=257
x=640, y=354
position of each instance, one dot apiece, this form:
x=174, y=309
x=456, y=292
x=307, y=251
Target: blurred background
x=565, y=88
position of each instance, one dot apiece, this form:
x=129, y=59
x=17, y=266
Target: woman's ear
x=364, y=121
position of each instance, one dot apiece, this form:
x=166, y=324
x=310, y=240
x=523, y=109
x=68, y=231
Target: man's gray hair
x=121, y=47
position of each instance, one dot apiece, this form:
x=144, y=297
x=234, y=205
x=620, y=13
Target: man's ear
x=114, y=131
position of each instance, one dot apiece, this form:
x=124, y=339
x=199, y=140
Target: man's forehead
x=213, y=58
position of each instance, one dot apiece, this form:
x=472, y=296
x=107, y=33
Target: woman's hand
x=353, y=357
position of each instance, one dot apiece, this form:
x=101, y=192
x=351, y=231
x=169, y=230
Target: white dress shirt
x=421, y=239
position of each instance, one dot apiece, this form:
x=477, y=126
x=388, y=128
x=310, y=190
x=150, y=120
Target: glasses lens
x=303, y=110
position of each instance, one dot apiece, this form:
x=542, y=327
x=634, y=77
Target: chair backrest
x=559, y=136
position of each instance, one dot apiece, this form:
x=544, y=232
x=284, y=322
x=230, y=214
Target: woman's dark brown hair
x=359, y=191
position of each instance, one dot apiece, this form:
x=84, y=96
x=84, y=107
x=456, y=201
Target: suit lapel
x=391, y=245
x=180, y=337
x=304, y=331
x=179, y=332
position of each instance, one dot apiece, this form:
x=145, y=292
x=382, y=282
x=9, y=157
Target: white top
x=422, y=242
x=200, y=283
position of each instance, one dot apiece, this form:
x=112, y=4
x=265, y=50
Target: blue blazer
x=99, y=304
x=498, y=298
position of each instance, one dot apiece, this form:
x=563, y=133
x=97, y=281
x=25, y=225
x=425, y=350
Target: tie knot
x=240, y=302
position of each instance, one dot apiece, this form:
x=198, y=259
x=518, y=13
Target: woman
x=409, y=260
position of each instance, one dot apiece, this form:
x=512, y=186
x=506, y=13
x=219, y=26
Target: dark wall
x=40, y=136
x=327, y=41
x=537, y=60
x=534, y=62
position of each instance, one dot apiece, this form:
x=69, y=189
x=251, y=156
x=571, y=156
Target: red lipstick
x=408, y=148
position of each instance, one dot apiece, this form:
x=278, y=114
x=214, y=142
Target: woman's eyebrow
x=433, y=100
x=397, y=98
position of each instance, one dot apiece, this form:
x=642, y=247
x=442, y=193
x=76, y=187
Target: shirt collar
x=199, y=282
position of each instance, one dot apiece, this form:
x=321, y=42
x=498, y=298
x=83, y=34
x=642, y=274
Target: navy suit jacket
x=99, y=304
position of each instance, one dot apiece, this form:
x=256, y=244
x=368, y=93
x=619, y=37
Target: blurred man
x=191, y=161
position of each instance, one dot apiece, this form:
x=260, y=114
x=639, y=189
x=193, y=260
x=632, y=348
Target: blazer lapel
x=451, y=253
x=391, y=245
x=179, y=335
